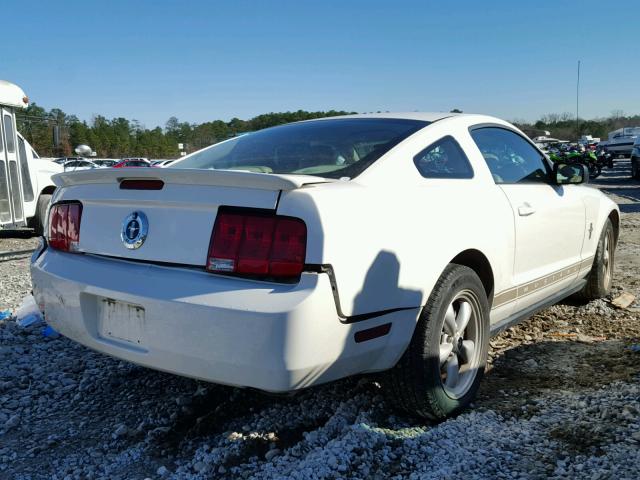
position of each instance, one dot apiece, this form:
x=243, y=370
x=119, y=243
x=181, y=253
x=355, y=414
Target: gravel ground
x=561, y=399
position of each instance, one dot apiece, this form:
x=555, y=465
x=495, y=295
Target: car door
x=5, y=201
x=549, y=219
x=10, y=191
x=475, y=216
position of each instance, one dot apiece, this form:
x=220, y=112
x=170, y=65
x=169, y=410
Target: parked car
x=63, y=160
x=75, y=165
x=105, y=162
x=132, y=162
x=635, y=159
x=308, y=252
x=143, y=159
x=161, y=163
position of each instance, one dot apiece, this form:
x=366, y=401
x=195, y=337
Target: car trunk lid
x=180, y=214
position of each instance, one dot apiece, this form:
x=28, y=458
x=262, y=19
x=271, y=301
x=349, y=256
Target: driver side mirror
x=568, y=174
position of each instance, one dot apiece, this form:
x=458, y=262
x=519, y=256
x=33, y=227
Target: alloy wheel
x=460, y=339
x=607, y=258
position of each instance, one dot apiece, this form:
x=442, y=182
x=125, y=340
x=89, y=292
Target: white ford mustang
x=308, y=252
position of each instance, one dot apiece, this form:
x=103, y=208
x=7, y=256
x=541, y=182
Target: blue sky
x=206, y=60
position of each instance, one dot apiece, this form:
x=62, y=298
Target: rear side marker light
x=371, y=333
x=141, y=185
x=64, y=226
x=257, y=245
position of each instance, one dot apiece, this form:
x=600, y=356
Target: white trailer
x=25, y=179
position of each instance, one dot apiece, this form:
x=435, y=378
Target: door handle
x=525, y=210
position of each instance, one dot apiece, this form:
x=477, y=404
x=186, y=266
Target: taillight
x=257, y=245
x=64, y=226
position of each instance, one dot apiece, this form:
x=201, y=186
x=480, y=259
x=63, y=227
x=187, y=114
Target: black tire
x=41, y=213
x=600, y=277
x=416, y=384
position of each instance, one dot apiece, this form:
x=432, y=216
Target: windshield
x=332, y=148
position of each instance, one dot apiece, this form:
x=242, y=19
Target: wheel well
x=48, y=190
x=476, y=261
x=615, y=221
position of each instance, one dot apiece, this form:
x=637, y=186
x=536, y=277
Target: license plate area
x=120, y=321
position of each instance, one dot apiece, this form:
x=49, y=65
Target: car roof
x=423, y=116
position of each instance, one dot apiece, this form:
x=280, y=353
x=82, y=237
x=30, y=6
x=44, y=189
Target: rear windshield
x=332, y=148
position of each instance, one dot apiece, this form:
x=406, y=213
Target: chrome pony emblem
x=135, y=228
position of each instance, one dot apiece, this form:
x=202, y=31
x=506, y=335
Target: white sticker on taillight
x=221, y=264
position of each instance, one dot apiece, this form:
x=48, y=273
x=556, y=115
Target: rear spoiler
x=184, y=176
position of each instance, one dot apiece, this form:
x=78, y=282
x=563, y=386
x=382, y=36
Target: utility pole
x=578, y=104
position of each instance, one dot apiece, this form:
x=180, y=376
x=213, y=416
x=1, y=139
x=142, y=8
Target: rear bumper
x=231, y=331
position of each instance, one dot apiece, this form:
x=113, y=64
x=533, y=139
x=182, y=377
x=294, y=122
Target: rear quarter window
x=443, y=159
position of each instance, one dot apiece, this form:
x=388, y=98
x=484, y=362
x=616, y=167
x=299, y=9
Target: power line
x=37, y=118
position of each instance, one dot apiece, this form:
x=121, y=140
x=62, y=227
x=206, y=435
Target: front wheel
x=440, y=372
x=594, y=171
x=601, y=275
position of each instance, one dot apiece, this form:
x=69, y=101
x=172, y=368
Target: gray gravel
x=561, y=399
x=15, y=282
x=66, y=412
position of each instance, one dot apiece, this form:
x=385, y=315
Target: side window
x=27, y=189
x=443, y=159
x=8, y=132
x=510, y=158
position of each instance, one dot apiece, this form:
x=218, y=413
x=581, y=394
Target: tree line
x=54, y=133
x=563, y=126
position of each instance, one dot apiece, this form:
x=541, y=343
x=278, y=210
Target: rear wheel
x=601, y=275
x=440, y=372
x=41, y=213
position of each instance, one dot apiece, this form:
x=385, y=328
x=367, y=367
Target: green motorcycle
x=588, y=158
